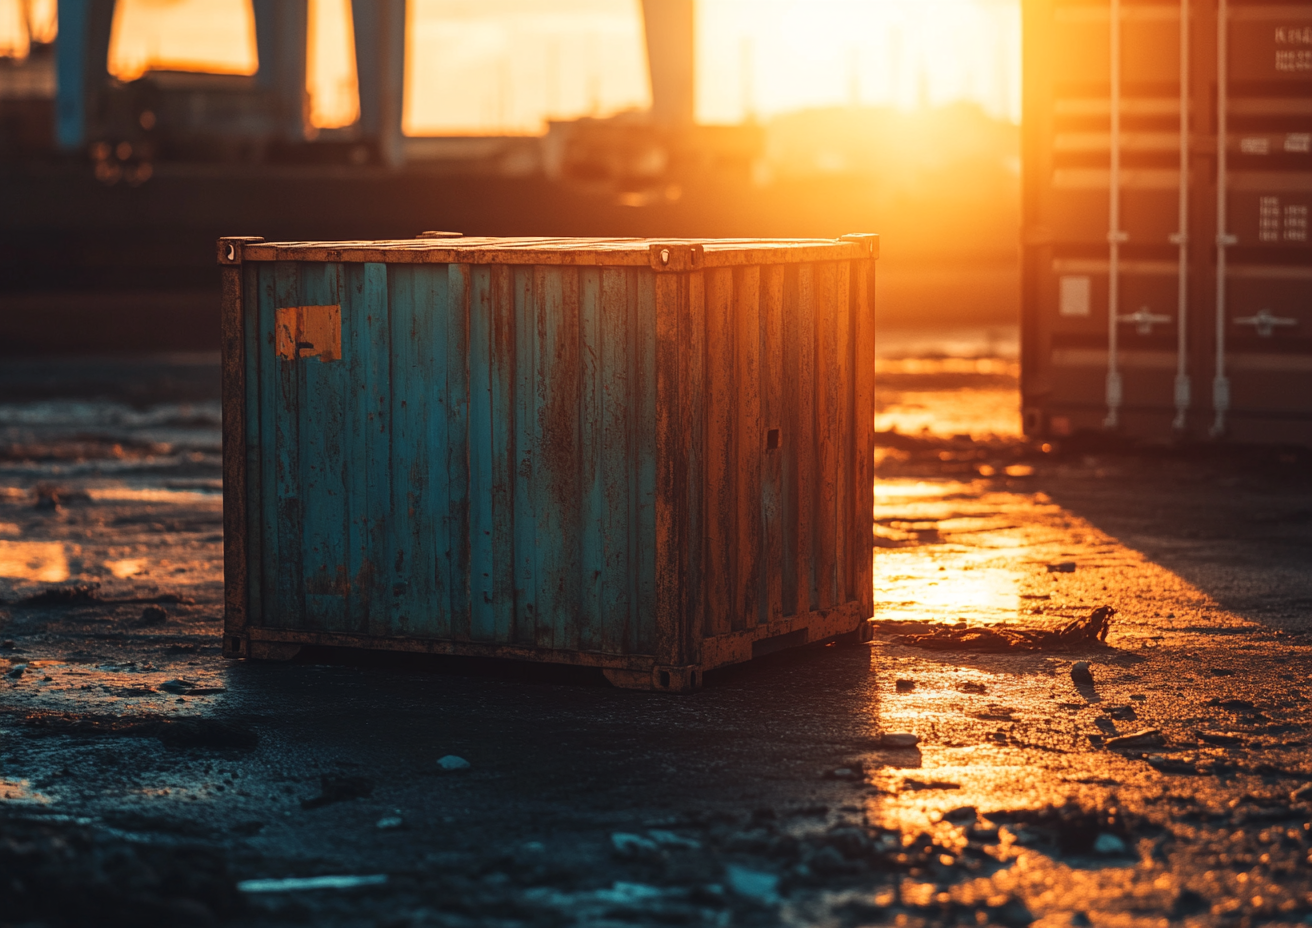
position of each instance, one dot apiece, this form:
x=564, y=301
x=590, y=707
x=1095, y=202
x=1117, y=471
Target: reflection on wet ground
x=772, y=797
x=948, y=396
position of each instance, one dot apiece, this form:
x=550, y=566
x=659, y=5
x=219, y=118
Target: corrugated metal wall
x=1167, y=290
x=477, y=459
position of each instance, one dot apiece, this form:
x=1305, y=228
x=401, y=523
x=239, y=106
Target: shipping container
x=1167, y=265
x=655, y=458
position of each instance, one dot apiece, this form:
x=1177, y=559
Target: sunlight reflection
x=999, y=366
x=42, y=561
x=128, y=567
x=216, y=36
x=979, y=413
x=950, y=552
x=21, y=791
x=154, y=495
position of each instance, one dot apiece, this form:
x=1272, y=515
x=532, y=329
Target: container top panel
x=659, y=254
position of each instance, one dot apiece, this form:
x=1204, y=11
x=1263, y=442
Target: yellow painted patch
x=309, y=332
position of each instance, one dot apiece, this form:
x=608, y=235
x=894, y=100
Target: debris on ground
x=631, y=846
x=913, y=785
x=670, y=839
x=898, y=740
x=153, y=616
x=1081, y=675
x=54, y=496
x=1109, y=845
x=753, y=884
x=1163, y=764
x=1070, y=829
x=1065, y=567
x=451, y=763
x=65, y=873
x=905, y=686
x=334, y=788
x=173, y=733
x=1090, y=631
x=85, y=594
x=854, y=772
x=302, y=883
x=1147, y=737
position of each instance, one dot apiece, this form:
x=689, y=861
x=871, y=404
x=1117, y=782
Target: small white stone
x=451, y=762
x=632, y=845
x=390, y=821
x=670, y=839
x=752, y=884
x=899, y=739
x=1108, y=844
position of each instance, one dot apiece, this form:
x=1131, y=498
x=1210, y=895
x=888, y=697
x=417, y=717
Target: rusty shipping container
x=655, y=458
x=1167, y=264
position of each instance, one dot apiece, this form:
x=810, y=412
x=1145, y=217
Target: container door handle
x=1265, y=322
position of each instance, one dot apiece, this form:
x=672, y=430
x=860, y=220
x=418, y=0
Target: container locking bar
x=1265, y=322
x=1220, y=382
x=1181, y=239
x=1115, y=235
x=1144, y=320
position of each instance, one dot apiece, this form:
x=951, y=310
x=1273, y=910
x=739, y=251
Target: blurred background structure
x=135, y=132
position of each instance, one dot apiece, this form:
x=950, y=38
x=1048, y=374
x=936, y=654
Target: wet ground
x=144, y=780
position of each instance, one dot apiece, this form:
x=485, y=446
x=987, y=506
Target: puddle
x=129, y=567
x=38, y=561
x=84, y=414
x=950, y=552
x=1002, y=367
x=944, y=413
x=21, y=791
x=154, y=495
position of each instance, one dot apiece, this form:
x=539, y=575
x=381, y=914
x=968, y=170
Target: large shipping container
x=651, y=457
x=1167, y=264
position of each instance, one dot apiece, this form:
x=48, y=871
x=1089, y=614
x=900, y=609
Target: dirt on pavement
x=144, y=780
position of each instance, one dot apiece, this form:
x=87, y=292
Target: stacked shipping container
x=1166, y=252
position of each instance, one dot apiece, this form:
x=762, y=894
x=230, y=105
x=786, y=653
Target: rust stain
x=309, y=332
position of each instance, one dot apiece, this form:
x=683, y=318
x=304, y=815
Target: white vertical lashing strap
x=1220, y=382
x=1114, y=234
x=1181, y=238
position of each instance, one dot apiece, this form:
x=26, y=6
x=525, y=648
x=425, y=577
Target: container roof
x=659, y=254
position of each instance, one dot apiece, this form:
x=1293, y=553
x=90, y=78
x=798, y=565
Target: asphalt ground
x=144, y=780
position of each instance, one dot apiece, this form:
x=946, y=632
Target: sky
x=498, y=66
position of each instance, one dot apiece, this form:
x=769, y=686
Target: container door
x=1105, y=271
x=353, y=491
x=1267, y=311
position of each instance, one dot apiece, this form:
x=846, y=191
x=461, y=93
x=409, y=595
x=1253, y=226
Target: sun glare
x=23, y=22
x=331, y=80
x=758, y=58
x=216, y=36
x=509, y=66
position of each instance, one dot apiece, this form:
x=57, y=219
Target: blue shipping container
x=650, y=457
